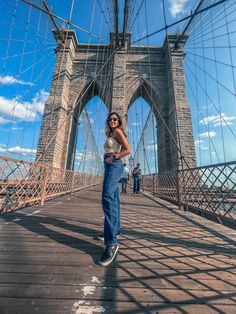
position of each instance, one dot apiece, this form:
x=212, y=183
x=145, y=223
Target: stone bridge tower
x=153, y=73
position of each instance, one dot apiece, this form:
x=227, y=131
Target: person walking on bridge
x=116, y=146
x=137, y=174
x=124, y=179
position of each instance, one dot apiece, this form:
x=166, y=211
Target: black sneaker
x=108, y=255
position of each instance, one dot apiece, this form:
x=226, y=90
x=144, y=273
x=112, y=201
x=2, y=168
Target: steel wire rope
x=212, y=102
x=109, y=14
x=209, y=59
x=64, y=45
x=216, y=36
x=230, y=51
x=103, y=14
x=85, y=114
x=27, y=91
x=204, y=123
x=102, y=93
x=187, y=166
x=31, y=79
x=68, y=22
x=141, y=140
x=131, y=13
x=20, y=68
x=142, y=137
x=177, y=22
x=181, y=157
x=10, y=35
x=206, y=100
x=23, y=54
x=150, y=73
x=93, y=86
x=135, y=147
x=99, y=102
x=199, y=111
x=207, y=25
x=205, y=20
x=72, y=110
x=22, y=40
x=218, y=96
x=210, y=76
x=140, y=7
x=88, y=48
x=15, y=26
x=34, y=108
x=196, y=100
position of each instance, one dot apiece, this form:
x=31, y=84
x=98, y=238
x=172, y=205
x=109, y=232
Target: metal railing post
x=73, y=182
x=44, y=185
x=154, y=183
x=179, y=191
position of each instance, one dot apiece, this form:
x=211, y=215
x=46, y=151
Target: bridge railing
x=23, y=183
x=209, y=190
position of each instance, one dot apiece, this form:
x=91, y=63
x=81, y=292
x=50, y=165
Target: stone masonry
x=118, y=77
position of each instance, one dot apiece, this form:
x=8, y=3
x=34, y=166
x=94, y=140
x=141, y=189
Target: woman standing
x=116, y=147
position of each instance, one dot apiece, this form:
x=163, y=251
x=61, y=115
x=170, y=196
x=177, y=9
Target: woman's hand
x=109, y=160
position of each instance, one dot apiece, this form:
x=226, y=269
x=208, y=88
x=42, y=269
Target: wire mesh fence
x=210, y=189
x=23, y=183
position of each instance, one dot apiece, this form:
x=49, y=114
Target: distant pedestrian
x=124, y=179
x=137, y=174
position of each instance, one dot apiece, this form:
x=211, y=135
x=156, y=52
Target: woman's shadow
x=36, y=224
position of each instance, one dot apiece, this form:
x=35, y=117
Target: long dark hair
x=108, y=129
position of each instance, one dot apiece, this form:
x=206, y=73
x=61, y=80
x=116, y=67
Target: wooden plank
x=169, y=261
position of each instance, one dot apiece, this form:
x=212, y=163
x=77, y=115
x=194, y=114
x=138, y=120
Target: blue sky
x=27, y=59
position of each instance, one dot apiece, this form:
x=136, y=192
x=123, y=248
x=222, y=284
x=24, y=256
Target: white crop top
x=111, y=146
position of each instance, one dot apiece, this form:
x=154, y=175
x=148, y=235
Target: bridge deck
x=169, y=261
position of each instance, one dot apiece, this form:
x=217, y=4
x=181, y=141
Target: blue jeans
x=137, y=183
x=124, y=184
x=111, y=201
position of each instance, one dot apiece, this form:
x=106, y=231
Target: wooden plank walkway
x=169, y=261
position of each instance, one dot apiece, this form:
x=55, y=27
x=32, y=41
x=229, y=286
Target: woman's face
x=113, y=121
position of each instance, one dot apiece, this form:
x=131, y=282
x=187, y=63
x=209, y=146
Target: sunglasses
x=113, y=119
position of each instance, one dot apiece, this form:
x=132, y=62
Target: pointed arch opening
x=86, y=130
x=142, y=135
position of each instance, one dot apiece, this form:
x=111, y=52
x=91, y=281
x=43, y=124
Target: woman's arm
x=123, y=141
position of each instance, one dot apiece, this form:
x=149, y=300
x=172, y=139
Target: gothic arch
x=149, y=92
x=89, y=90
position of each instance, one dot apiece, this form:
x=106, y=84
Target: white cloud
x=23, y=110
x=16, y=128
x=8, y=80
x=78, y=156
x=136, y=123
x=4, y=121
x=198, y=142
x=177, y=6
x=17, y=150
x=151, y=147
x=221, y=119
x=208, y=134
x=201, y=144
